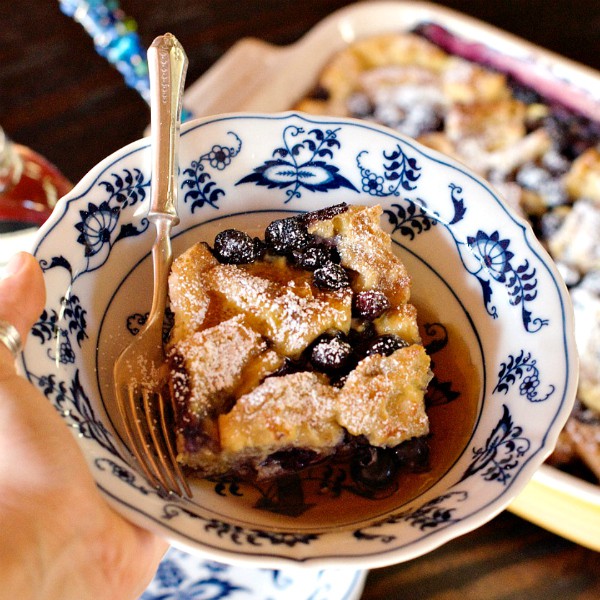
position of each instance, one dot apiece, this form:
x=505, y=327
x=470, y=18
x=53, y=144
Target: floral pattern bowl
x=496, y=320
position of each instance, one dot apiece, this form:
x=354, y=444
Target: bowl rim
x=470, y=521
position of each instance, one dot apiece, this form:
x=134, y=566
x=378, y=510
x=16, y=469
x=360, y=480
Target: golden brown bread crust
x=382, y=398
x=583, y=179
x=290, y=314
x=188, y=298
x=236, y=326
x=295, y=410
x=366, y=249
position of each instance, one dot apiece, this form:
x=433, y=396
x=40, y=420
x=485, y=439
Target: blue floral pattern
x=75, y=407
x=410, y=220
x=434, y=514
x=494, y=259
x=398, y=171
x=313, y=163
x=202, y=189
x=241, y=535
x=100, y=226
x=525, y=368
x=172, y=582
x=502, y=453
x=302, y=163
x=182, y=576
x=124, y=474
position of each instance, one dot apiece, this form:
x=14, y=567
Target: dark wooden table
x=60, y=98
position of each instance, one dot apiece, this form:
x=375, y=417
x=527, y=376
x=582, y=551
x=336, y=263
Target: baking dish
x=255, y=75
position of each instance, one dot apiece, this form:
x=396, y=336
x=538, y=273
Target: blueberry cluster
x=233, y=247
x=336, y=354
x=376, y=467
x=333, y=353
x=288, y=237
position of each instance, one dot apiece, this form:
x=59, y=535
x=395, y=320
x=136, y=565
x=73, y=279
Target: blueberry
x=360, y=105
x=288, y=366
x=385, y=344
x=330, y=353
x=235, y=247
x=374, y=467
x=315, y=256
x=413, y=454
x=324, y=214
x=523, y=93
x=320, y=93
x=292, y=460
x=331, y=277
x=571, y=134
x=552, y=221
x=361, y=336
x=339, y=382
x=283, y=236
x=369, y=304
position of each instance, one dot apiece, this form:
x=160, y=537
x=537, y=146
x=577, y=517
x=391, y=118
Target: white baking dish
x=256, y=76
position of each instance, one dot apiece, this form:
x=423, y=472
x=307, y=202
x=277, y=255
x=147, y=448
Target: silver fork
x=140, y=372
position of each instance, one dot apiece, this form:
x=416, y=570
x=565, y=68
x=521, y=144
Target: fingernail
x=14, y=265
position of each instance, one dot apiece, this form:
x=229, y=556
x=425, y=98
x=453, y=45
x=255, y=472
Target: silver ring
x=10, y=337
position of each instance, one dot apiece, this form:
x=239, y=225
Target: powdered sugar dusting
x=291, y=315
x=146, y=373
x=366, y=249
x=252, y=319
x=210, y=379
x=383, y=397
x=296, y=409
x=189, y=302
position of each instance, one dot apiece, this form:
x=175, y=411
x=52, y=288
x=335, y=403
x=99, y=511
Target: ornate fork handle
x=167, y=69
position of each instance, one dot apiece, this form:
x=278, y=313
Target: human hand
x=60, y=538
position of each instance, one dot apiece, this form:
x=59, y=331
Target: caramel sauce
x=326, y=496
x=279, y=270
x=451, y=425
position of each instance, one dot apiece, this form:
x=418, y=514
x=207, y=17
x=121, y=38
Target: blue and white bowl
x=490, y=296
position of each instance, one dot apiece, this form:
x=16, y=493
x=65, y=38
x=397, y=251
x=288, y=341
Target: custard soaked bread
x=294, y=348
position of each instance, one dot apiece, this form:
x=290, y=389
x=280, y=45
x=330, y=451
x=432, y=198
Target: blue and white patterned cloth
x=183, y=576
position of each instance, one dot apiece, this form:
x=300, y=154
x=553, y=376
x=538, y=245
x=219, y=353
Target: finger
x=22, y=299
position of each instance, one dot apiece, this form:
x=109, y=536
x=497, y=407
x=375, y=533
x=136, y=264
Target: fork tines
x=150, y=442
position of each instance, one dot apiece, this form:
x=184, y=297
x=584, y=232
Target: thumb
x=22, y=299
